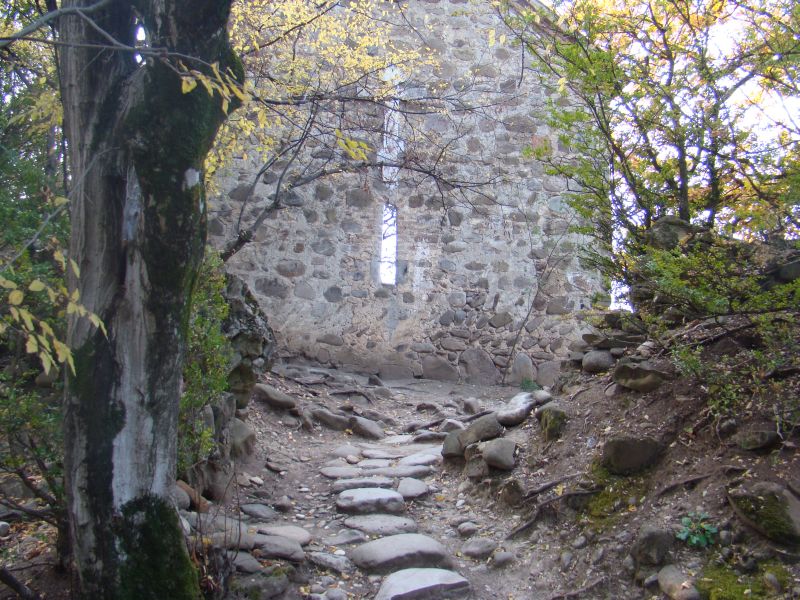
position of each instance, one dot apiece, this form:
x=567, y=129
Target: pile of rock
x=622, y=348
x=253, y=345
x=480, y=443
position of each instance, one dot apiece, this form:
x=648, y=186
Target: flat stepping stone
x=401, y=551
x=341, y=485
x=276, y=546
x=434, y=457
x=346, y=537
x=371, y=463
x=259, y=511
x=381, y=524
x=370, y=500
x=381, y=454
x=292, y=532
x=244, y=562
x=340, y=472
x=340, y=564
x=346, y=450
x=423, y=584
x=401, y=471
x=410, y=488
x=397, y=440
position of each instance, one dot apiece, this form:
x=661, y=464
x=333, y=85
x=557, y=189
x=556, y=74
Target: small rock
x=340, y=472
x=502, y=559
x=597, y=361
x=676, y=585
x=500, y=454
x=259, y=511
x=335, y=594
x=652, y=545
x=340, y=564
x=292, y=532
x=242, y=438
x=410, y=488
x=275, y=546
x=283, y=504
x=244, y=562
x=566, y=560
x=5, y=528
x=346, y=537
x=449, y=425
x=423, y=584
x=479, y=548
x=580, y=542
x=370, y=500
x=263, y=585
x=773, y=583
x=472, y=406
x=467, y=529
x=516, y=410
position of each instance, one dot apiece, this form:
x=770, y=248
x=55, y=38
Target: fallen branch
x=579, y=592
x=441, y=420
x=537, y=511
x=546, y=486
x=22, y=590
x=687, y=481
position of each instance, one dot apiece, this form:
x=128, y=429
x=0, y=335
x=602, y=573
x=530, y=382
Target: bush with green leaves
x=207, y=364
x=697, y=531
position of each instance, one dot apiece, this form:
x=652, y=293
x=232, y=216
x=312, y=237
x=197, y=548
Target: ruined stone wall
x=469, y=262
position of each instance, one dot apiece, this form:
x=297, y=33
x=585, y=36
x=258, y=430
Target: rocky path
x=359, y=509
x=359, y=489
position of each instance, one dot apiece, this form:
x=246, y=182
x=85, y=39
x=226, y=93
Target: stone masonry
x=469, y=263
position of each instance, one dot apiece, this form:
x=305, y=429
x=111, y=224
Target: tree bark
x=136, y=151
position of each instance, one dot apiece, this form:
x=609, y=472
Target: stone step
x=400, y=551
x=378, y=524
x=424, y=584
x=341, y=485
x=370, y=500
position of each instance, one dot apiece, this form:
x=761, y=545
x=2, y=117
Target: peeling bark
x=136, y=151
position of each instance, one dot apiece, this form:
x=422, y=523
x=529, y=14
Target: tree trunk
x=136, y=151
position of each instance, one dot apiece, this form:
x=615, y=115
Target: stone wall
x=471, y=261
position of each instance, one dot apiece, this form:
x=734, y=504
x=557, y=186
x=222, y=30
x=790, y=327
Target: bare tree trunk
x=136, y=150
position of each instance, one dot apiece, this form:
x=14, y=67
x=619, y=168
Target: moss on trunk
x=156, y=563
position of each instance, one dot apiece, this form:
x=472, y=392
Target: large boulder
x=640, y=377
x=478, y=367
x=436, y=367
x=627, y=455
x=770, y=509
x=552, y=419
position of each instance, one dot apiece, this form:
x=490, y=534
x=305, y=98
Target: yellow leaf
x=75, y=268
x=187, y=85
x=59, y=256
x=75, y=296
x=492, y=34
x=27, y=318
x=3, y=327
x=62, y=351
x=7, y=284
x=47, y=361
x=559, y=490
x=60, y=201
x=31, y=346
x=15, y=298
x=36, y=286
x=225, y=105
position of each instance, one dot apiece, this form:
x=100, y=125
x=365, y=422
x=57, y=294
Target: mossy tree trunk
x=136, y=151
